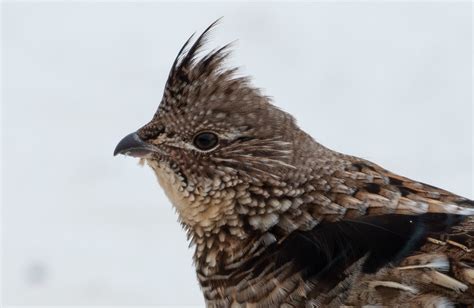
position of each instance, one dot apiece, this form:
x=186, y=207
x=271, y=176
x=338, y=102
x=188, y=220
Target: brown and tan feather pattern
x=279, y=220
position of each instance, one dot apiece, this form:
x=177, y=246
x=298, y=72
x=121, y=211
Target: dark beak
x=132, y=145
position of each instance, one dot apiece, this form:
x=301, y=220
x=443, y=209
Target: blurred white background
x=390, y=82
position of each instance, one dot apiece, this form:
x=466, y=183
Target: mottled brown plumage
x=278, y=219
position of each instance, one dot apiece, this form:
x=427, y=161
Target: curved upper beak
x=132, y=145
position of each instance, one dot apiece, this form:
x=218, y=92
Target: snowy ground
x=388, y=82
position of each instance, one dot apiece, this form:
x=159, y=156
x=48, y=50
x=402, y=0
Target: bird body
x=278, y=219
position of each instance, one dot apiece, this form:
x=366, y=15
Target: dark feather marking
x=358, y=166
x=382, y=239
x=395, y=181
x=327, y=250
x=466, y=202
x=404, y=191
x=243, y=139
x=372, y=188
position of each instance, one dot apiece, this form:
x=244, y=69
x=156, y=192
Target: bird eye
x=205, y=141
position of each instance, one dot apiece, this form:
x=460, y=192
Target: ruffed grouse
x=277, y=219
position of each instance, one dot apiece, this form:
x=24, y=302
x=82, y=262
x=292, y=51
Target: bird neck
x=221, y=258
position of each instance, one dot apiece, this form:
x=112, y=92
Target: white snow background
x=390, y=82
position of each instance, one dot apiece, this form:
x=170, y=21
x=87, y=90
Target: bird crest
x=189, y=69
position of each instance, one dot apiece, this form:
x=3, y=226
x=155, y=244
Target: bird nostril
x=150, y=131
